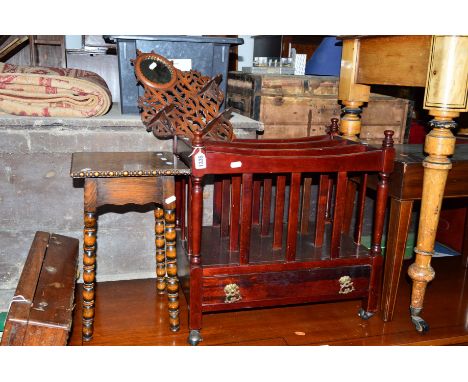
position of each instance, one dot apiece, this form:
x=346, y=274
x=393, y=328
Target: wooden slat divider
x=217, y=201
x=225, y=206
x=246, y=218
x=266, y=206
x=361, y=202
x=338, y=213
x=305, y=212
x=322, y=200
x=235, y=214
x=349, y=206
x=293, y=215
x=279, y=211
x=256, y=201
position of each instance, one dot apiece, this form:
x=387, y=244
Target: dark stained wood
x=279, y=211
x=293, y=214
x=306, y=198
x=26, y=288
x=266, y=205
x=398, y=226
x=132, y=178
x=235, y=214
x=217, y=201
x=322, y=202
x=120, y=191
x=48, y=284
x=111, y=164
x=361, y=202
x=340, y=199
x=256, y=202
x=308, y=324
x=226, y=201
x=349, y=206
x=246, y=218
x=253, y=268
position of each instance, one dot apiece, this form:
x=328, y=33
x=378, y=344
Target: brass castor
x=194, y=337
x=365, y=315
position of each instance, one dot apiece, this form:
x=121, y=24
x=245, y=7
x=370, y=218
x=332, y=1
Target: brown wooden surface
x=248, y=269
x=48, y=282
x=110, y=164
x=405, y=185
x=335, y=323
x=121, y=191
x=297, y=106
x=393, y=60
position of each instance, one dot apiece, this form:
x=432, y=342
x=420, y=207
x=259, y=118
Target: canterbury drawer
x=306, y=285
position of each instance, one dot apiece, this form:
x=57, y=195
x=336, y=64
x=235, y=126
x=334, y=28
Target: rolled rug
x=52, y=92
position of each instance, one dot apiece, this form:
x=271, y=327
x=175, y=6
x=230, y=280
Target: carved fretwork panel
x=179, y=102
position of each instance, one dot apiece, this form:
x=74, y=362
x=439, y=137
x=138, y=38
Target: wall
x=37, y=193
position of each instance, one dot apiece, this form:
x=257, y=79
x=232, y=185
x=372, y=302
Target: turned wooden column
x=89, y=257
x=160, y=242
x=445, y=97
x=351, y=94
x=171, y=253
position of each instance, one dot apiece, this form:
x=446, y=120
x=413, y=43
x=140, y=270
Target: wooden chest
x=296, y=106
x=41, y=311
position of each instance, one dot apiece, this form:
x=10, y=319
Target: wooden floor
x=130, y=313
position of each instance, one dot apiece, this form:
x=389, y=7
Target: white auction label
x=200, y=160
x=236, y=164
x=170, y=199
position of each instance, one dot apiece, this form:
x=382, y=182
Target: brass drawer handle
x=232, y=293
x=346, y=285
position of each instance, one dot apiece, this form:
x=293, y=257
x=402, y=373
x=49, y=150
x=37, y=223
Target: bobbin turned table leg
x=171, y=253
x=445, y=97
x=160, y=250
x=89, y=258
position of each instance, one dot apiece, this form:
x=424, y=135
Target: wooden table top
x=407, y=178
x=125, y=164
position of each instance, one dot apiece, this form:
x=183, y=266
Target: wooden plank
x=235, y=214
x=305, y=212
x=266, y=206
x=321, y=210
x=225, y=206
x=279, y=211
x=246, y=218
x=217, y=201
x=338, y=214
x=51, y=314
x=18, y=315
x=394, y=60
x=256, y=202
x=48, y=282
x=293, y=215
x=349, y=206
x=361, y=202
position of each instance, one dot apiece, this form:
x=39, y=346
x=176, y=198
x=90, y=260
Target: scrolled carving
x=179, y=102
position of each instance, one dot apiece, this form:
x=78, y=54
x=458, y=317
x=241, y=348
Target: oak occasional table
x=440, y=65
x=130, y=178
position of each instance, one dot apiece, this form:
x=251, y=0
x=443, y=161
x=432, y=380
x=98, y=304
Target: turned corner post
x=382, y=192
x=160, y=242
x=170, y=201
x=445, y=97
x=351, y=94
x=89, y=258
